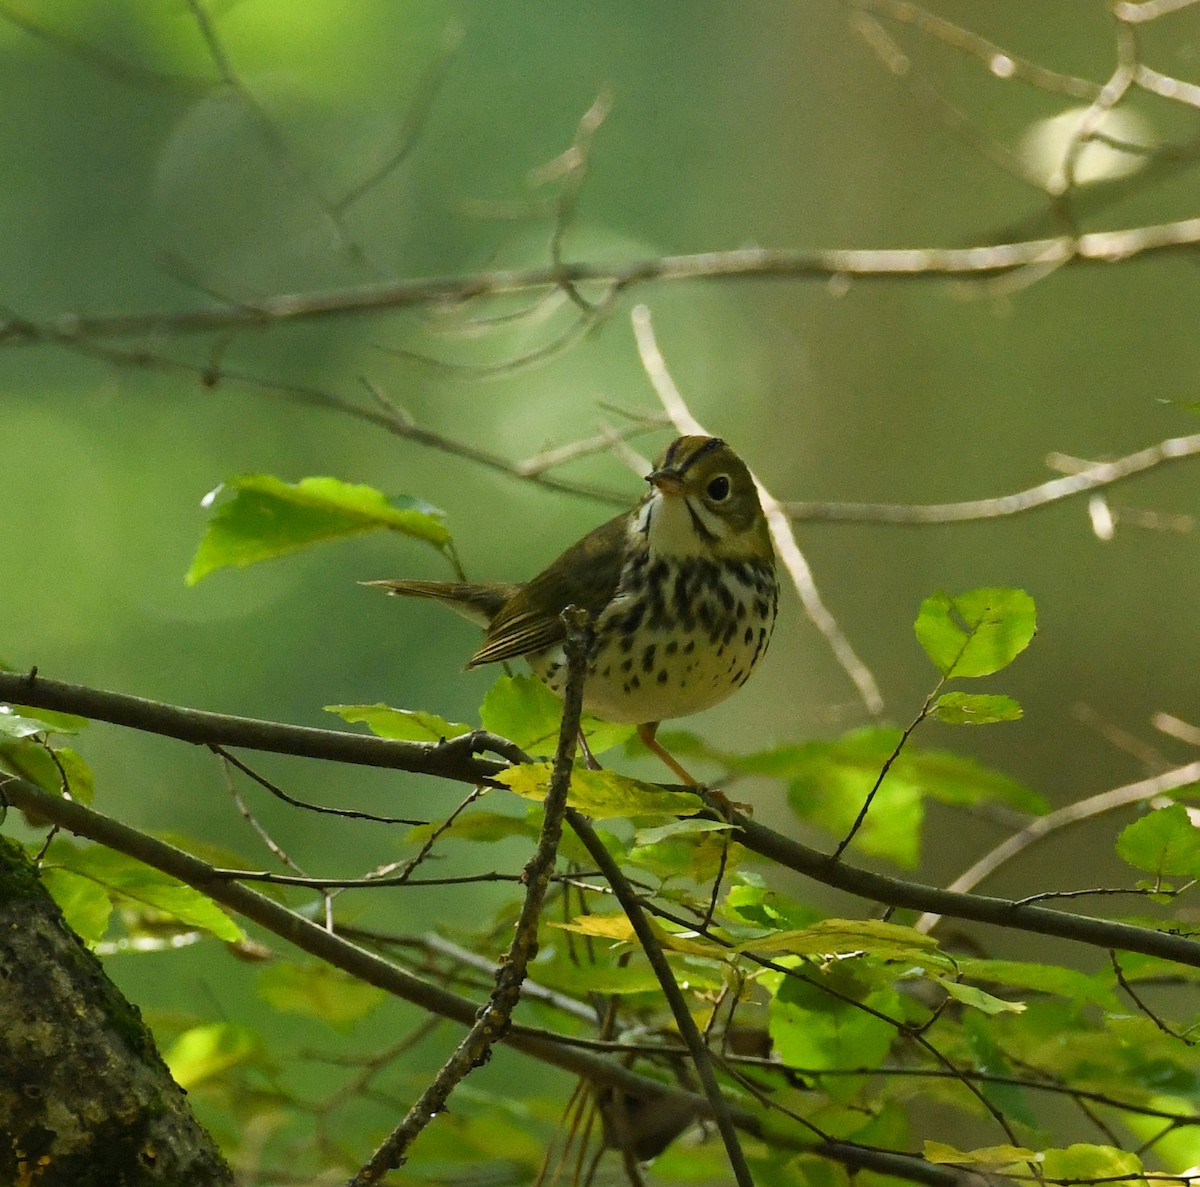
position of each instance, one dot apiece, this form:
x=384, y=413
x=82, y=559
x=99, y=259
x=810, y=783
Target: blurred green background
x=136, y=180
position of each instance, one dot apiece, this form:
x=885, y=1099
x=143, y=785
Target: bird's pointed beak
x=670, y=482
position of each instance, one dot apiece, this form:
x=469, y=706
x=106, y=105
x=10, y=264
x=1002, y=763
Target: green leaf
x=829, y=781
x=485, y=827
x=814, y=1030
x=52, y=720
x=976, y=633
x=989, y=1058
x=966, y=708
x=268, y=517
x=602, y=794
x=206, y=1052
x=602, y=972
x=688, y=826
x=1085, y=1161
x=318, y=990
x=47, y=768
x=85, y=905
x=124, y=877
x=979, y=999
x=400, y=725
x=1077, y=987
x=15, y=726
x=1164, y=842
x=523, y=710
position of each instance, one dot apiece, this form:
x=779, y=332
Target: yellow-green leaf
x=205, y=1052
x=602, y=794
x=400, y=725
x=991, y=1156
x=124, y=877
x=978, y=632
x=875, y=937
x=979, y=999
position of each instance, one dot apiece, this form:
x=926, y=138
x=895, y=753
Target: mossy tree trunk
x=85, y=1098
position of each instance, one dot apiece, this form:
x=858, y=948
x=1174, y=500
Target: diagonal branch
x=495, y=1018
x=781, y=531
x=690, y=1033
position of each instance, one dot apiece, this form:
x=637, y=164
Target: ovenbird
x=681, y=591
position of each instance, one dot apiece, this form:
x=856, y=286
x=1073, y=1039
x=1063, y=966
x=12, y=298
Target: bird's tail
x=479, y=602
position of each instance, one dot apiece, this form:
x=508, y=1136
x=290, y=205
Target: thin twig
x=1119, y=973
x=701, y=1057
x=279, y=793
x=495, y=1017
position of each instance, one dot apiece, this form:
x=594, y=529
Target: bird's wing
x=586, y=575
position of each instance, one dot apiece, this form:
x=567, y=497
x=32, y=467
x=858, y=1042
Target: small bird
x=681, y=591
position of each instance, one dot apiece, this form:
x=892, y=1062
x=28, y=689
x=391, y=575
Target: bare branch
x=701, y=1057
x=781, y=532
x=1052, y=822
x=1093, y=476
x=751, y=263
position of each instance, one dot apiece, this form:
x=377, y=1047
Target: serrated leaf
x=996, y=1157
x=523, y=710
x=967, y=708
x=1164, y=841
x=976, y=633
x=601, y=794
x=400, y=725
x=206, y=1052
x=979, y=999
x=124, y=877
x=267, y=517
x=318, y=990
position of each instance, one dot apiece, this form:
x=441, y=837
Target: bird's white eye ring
x=718, y=488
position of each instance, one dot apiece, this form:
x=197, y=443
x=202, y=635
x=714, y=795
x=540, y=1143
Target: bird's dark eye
x=718, y=489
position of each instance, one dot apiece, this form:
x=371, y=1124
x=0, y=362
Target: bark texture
x=85, y=1098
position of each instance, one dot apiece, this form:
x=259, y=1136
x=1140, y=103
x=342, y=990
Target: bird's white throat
x=667, y=523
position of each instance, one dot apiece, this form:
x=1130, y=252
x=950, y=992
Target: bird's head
x=703, y=502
